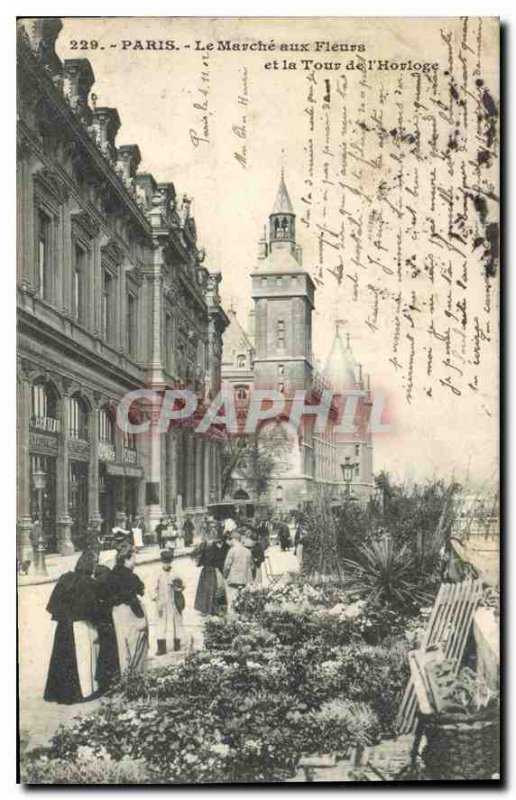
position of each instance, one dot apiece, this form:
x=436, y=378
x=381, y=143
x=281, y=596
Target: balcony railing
x=45, y=424
x=130, y=456
x=106, y=451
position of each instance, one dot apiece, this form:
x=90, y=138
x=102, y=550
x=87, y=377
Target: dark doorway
x=43, y=497
x=78, y=502
x=107, y=507
x=131, y=497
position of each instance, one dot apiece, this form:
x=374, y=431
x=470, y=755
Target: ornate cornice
x=112, y=251
x=83, y=222
x=53, y=184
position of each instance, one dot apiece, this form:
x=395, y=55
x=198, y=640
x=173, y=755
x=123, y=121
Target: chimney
x=167, y=192
x=128, y=161
x=42, y=34
x=145, y=188
x=162, y=199
x=106, y=123
x=78, y=80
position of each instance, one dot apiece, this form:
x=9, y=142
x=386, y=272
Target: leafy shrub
x=213, y=719
x=377, y=676
x=381, y=623
x=340, y=721
x=252, y=601
x=223, y=633
x=385, y=573
x=87, y=768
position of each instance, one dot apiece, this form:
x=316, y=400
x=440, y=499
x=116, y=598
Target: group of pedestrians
x=102, y=627
x=170, y=535
x=231, y=558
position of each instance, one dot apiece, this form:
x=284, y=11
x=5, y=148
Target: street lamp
x=40, y=482
x=347, y=475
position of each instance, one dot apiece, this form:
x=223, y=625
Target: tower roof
x=282, y=204
x=235, y=338
x=341, y=364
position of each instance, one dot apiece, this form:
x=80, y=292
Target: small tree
x=320, y=553
x=233, y=453
x=255, y=458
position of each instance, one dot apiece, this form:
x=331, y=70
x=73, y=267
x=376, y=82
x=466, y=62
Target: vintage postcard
x=258, y=399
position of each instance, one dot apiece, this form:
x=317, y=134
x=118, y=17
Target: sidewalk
x=57, y=565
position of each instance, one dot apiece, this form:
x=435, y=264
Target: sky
x=162, y=97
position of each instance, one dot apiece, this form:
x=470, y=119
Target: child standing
x=170, y=605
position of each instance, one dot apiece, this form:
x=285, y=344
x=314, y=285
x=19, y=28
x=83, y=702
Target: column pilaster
x=64, y=520
x=154, y=483
x=198, y=472
x=24, y=520
x=94, y=518
x=207, y=475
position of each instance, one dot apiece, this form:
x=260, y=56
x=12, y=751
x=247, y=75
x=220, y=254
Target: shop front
x=119, y=495
x=43, y=497
x=78, y=502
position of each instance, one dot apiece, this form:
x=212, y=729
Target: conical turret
x=282, y=219
x=341, y=368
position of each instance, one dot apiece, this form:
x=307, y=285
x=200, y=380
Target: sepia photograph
x=258, y=400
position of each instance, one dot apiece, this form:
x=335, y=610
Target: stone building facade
x=112, y=295
x=276, y=353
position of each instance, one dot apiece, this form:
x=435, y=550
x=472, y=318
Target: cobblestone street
x=39, y=719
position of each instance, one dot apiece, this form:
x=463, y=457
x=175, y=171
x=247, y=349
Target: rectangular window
x=78, y=284
x=280, y=333
x=281, y=370
x=131, y=324
x=108, y=294
x=43, y=254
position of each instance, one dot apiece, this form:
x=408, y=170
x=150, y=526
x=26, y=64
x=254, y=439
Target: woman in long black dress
x=108, y=667
x=73, y=605
x=122, y=593
x=210, y=597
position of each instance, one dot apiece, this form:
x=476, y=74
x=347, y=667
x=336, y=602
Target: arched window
x=242, y=392
x=279, y=494
x=106, y=426
x=44, y=407
x=77, y=418
x=241, y=361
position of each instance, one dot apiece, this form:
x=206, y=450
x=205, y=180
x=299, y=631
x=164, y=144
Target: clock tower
x=283, y=294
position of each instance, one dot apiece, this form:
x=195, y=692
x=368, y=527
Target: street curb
x=148, y=558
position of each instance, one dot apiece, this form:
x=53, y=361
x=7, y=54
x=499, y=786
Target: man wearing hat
x=238, y=567
x=170, y=603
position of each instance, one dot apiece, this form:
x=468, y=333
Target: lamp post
x=347, y=475
x=40, y=482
